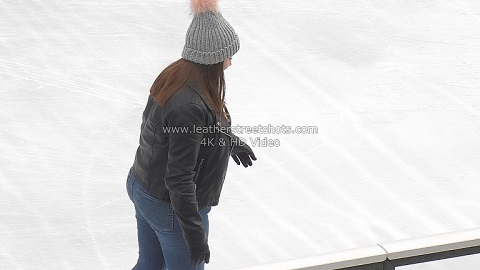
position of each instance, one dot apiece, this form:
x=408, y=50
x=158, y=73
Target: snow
x=392, y=86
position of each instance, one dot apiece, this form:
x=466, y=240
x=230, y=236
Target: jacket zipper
x=198, y=170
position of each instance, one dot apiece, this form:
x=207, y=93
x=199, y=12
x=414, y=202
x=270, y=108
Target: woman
x=185, y=144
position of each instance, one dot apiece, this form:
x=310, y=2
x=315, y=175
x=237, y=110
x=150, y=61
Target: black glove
x=241, y=152
x=199, y=255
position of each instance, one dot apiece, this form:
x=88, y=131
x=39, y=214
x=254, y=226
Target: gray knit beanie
x=210, y=38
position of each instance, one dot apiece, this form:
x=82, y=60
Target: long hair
x=210, y=78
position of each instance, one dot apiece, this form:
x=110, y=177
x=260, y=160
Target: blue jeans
x=160, y=238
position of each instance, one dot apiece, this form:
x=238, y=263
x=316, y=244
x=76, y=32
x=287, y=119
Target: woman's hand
x=199, y=255
x=242, y=153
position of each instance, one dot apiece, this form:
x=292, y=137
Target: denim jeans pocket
x=158, y=214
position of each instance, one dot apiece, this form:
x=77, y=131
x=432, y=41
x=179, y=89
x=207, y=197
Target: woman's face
x=226, y=63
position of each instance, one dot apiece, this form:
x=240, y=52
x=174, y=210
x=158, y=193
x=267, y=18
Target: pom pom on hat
x=201, y=6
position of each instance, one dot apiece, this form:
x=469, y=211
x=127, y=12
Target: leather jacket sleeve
x=183, y=151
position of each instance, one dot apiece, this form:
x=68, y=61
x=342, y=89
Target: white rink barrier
x=387, y=256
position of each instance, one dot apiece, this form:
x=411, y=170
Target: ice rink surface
x=393, y=88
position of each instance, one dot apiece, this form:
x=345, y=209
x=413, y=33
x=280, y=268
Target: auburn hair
x=210, y=78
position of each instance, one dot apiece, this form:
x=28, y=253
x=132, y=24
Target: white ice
x=392, y=86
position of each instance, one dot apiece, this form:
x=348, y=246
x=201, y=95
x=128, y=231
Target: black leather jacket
x=184, y=167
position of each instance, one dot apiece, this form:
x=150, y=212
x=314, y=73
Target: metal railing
x=387, y=256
